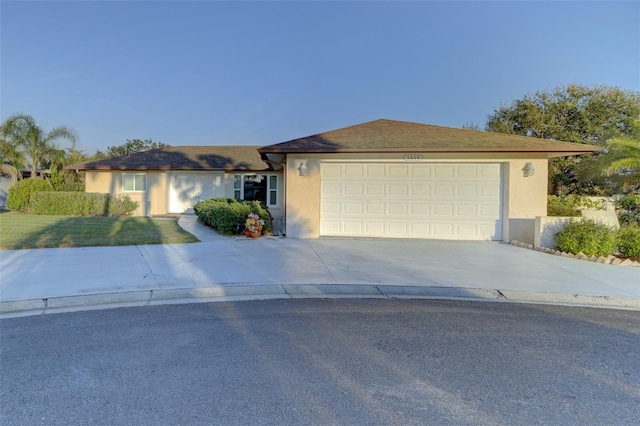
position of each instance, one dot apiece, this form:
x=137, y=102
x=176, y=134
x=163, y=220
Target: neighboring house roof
x=228, y=158
x=401, y=136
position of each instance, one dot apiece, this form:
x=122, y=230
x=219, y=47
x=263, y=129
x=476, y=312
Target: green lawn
x=22, y=231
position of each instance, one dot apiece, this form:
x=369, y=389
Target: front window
x=134, y=182
x=256, y=188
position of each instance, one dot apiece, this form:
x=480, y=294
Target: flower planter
x=253, y=226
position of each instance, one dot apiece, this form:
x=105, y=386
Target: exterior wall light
x=528, y=170
x=302, y=169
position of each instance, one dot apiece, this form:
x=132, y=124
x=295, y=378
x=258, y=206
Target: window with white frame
x=256, y=187
x=134, y=182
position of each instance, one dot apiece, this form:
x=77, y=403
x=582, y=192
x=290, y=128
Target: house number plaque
x=412, y=157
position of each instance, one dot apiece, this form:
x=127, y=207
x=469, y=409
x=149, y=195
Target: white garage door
x=185, y=190
x=461, y=201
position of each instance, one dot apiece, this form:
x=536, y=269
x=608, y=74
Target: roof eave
x=167, y=169
x=559, y=152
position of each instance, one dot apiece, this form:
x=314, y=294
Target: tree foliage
x=130, y=147
x=573, y=113
x=24, y=143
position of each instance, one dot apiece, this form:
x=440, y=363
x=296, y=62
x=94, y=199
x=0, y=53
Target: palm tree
x=622, y=158
x=30, y=141
x=623, y=155
x=9, y=157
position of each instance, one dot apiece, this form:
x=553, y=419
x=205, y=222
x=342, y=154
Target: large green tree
x=28, y=145
x=573, y=113
x=130, y=147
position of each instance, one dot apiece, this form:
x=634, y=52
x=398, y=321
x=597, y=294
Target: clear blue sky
x=228, y=73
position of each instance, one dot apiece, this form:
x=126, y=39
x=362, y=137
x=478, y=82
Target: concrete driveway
x=266, y=267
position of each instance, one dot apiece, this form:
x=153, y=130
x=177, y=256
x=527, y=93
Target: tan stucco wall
x=302, y=197
x=156, y=195
x=155, y=201
x=524, y=198
x=151, y=202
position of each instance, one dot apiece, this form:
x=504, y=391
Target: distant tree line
x=128, y=148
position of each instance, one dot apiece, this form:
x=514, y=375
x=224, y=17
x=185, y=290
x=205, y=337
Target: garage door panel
x=353, y=189
x=330, y=227
x=490, y=172
x=398, y=228
x=420, y=190
x=490, y=190
x=489, y=211
x=331, y=207
x=375, y=228
x=375, y=189
x=398, y=190
x=353, y=227
x=442, y=171
x=469, y=172
x=426, y=200
x=442, y=190
x=420, y=209
x=467, y=190
x=466, y=230
x=469, y=211
x=397, y=209
x=421, y=171
x=443, y=230
x=353, y=208
x=376, y=171
x=331, y=170
x=399, y=171
x=375, y=208
x=354, y=171
x=419, y=228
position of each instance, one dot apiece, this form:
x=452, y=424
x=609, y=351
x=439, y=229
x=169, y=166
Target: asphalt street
x=331, y=361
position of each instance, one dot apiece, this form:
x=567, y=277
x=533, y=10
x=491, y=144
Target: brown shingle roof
x=398, y=136
x=183, y=158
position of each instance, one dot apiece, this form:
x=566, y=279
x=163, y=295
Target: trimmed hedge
x=588, y=237
x=227, y=215
x=80, y=204
x=20, y=192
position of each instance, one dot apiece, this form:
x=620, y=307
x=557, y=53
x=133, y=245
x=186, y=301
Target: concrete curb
x=10, y=309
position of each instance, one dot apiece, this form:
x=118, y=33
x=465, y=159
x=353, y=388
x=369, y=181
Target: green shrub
x=66, y=182
x=588, y=237
x=629, y=241
x=80, y=204
x=557, y=210
x=628, y=208
x=570, y=205
x=20, y=192
x=224, y=214
x=120, y=205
